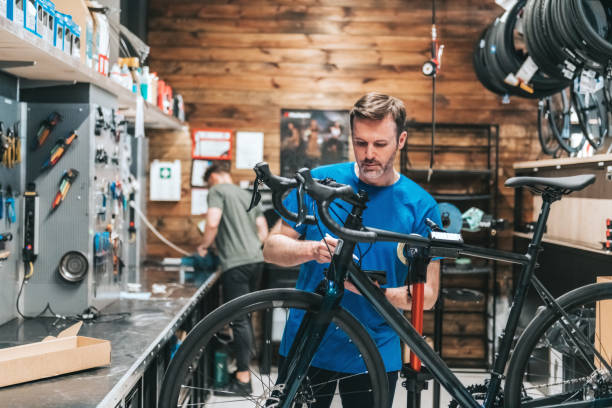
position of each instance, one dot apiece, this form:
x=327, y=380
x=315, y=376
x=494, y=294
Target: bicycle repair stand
x=415, y=382
x=416, y=376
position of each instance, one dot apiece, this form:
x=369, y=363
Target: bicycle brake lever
x=301, y=201
x=432, y=225
x=256, y=197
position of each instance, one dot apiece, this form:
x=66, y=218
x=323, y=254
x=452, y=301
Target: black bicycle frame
x=315, y=324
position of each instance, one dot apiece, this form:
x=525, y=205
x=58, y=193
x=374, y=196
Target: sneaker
x=235, y=387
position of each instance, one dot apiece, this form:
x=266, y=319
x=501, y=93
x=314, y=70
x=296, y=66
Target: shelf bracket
x=16, y=64
x=43, y=83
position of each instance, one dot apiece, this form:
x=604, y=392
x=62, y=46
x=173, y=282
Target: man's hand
x=202, y=250
x=320, y=251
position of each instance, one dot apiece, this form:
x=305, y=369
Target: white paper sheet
x=199, y=205
x=249, y=149
x=198, y=168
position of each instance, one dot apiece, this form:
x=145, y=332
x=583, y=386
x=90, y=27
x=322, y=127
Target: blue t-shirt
x=401, y=207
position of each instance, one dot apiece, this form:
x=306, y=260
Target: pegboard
x=12, y=114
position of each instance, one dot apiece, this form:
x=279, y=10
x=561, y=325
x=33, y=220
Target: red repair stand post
x=416, y=376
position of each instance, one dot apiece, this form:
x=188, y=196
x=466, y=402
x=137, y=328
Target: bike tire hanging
x=567, y=45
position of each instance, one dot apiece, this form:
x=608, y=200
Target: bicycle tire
x=548, y=141
x=186, y=376
x=560, y=123
x=544, y=335
x=593, y=117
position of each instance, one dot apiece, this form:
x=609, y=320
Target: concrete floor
x=399, y=401
x=427, y=396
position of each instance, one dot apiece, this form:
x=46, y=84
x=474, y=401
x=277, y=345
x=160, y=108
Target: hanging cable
x=431, y=68
x=156, y=232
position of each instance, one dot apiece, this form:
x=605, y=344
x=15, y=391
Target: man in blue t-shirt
x=395, y=203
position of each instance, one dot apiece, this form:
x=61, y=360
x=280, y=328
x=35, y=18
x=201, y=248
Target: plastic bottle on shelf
x=126, y=77
x=115, y=73
x=152, y=95
x=134, y=66
x=145, y=84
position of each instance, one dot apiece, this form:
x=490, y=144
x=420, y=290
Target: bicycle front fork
x=307, y=340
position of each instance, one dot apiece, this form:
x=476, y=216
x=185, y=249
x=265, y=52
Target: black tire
x=548, y=141
x=188, y=375
x=559, y=114
x=592, y=115
x=544, y=337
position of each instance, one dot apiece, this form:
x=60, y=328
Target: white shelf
x=51, y=64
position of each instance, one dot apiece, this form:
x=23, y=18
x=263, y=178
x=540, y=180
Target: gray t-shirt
x=237, y=240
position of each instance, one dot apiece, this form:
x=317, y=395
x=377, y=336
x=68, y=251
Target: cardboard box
x=45, y=10
x=29, y=16
x=58, y=32
x=75, y=37
x=53, y=356
x=101, y=38
x=15, y=12
x=82, y=17
x=603, y=332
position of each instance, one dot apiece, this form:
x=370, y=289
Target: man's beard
x=374, y=172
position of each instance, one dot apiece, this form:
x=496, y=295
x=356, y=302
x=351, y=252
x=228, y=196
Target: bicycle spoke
x=346, y=393
x=259, y=378
x=562, y=356
x=232, y=395
x=337, y=379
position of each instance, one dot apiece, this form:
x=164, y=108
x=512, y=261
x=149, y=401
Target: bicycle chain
x=479, y=392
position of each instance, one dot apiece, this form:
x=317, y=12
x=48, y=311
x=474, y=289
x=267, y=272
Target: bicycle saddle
x=562, y=185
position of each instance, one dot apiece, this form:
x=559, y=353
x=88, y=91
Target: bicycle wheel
x=559, y=120
x=192, y=380
x=548, y=141
x=592, y=116
x=551, y=366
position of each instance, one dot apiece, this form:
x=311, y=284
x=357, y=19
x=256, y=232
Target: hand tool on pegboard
x=45, y=129
x=61, y=146
x=66, y=182
x=9, y=203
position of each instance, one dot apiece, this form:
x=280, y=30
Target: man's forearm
x=209, y=236
x=400, y=298
x=285, y=251
x=262, y=234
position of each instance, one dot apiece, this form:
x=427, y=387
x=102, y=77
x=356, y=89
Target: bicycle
x=564, y=326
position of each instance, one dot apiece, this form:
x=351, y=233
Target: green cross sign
x=165, y=172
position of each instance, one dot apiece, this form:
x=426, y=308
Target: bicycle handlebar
x=324, y=192
x=279, y=186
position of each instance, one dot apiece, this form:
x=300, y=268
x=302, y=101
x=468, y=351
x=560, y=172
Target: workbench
x=141, y=343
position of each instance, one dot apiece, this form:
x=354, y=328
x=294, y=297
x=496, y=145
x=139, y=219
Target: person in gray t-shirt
x=238, y=237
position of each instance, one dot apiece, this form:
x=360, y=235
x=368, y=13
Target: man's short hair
x=376, y=106
x=214, y=168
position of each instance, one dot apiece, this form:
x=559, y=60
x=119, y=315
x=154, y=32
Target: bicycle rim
x=559, y=120
x=552, y=366
x=548, y=142
x=592, y=115
x=196, y=378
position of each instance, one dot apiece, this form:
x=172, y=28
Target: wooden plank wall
x=238, y=62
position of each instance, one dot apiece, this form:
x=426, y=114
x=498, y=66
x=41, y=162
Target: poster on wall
x=312, y=138
x=198, y=168
x=211, y=144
